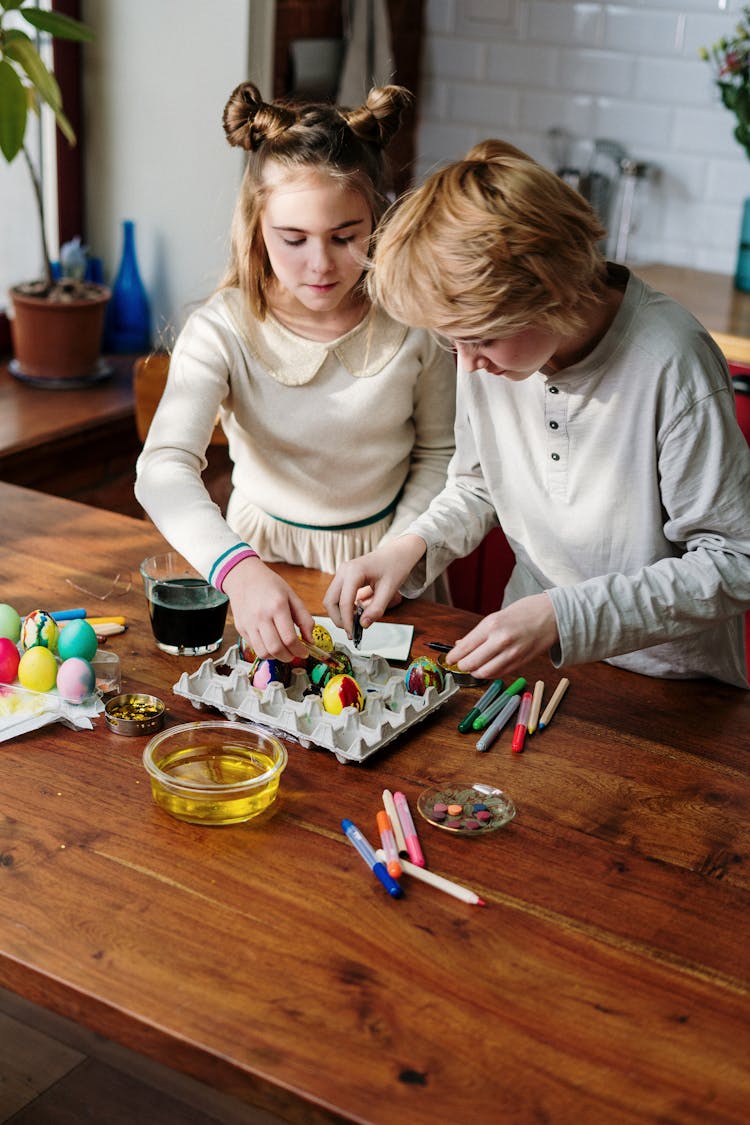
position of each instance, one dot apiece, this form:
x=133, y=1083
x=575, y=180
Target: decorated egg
x=37, y=669
x=340, y=692
x=265, y=672
x=422, y=674
x=320, y=673
x=77, y=638
x=76, y=679
x=39, y=629
x=319, y=676
x=10, y=622
x=322, y=638
x=9, y=658
x=344, y=661
x=246, y=651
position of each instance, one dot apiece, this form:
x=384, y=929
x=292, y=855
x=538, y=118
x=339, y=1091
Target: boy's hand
x=266, y=610
x=383, y=571
x=502, y=642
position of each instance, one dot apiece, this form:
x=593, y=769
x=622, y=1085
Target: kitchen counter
x=712, y=298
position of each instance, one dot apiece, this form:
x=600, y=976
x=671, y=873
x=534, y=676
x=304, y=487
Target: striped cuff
x=228, y=561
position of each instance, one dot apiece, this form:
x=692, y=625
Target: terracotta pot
x=57, y=341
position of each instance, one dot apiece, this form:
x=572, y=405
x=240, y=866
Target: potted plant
x=729, y=59
x=56, y=325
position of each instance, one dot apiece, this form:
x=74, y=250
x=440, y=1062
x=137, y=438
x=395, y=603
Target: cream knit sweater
x=323, y=434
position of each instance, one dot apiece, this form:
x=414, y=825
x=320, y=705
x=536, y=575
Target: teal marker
x=467, y=722
x=495, y=708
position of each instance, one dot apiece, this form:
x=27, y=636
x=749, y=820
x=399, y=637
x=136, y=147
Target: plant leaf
x=12, y=111
x=65, y=127
x=26, y=55
x=10, y=5
x=58, y=25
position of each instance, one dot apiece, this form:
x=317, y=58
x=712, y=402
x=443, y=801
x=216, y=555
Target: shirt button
x=555, y=456
x=554, y=390
x=553, y=425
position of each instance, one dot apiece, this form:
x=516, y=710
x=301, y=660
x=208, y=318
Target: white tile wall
x=627, y=72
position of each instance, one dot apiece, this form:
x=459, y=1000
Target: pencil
x=450, y=888
x=551, y=707
x=108, y=629
x=536, y=706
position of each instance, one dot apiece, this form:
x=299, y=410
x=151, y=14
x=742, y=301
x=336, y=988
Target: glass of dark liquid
x=187, y=613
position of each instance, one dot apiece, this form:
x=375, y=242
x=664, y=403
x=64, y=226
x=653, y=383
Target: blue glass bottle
x=742, y=273
x=128, y=325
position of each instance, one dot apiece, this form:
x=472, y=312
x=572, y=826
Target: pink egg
x=75, y=679
x=9, y=658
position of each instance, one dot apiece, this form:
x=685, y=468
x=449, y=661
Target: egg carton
x=389, y=710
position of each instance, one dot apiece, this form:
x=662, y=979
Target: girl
x=339, y=420
x=595, y=423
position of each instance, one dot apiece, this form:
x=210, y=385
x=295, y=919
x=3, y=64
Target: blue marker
x=378, y=869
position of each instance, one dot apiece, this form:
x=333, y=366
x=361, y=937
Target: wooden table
x=606, y=981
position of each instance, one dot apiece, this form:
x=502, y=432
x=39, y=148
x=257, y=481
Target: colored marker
x=442, y=884
x=355, y=837
x=410, y=833
x=398, y=832
x=388, y=844
x=495, y=708
x=552, y=706
x=68, y=614
x=536, y=706
x=106, y=621
x=493, y=690
x=519, y=734
x=497, y=724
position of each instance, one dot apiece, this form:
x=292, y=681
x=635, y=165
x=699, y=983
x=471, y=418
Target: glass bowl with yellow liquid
x=214, y=772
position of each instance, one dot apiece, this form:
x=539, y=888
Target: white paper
x=383, y=638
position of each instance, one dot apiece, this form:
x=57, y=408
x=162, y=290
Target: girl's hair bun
x=379, y=118
x=249, y=121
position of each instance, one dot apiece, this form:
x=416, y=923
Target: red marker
x=519, y=734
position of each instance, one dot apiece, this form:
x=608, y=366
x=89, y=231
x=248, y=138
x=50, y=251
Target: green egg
x=77, y=638
x=10, y=623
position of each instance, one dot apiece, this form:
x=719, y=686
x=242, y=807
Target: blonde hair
x=488, y=246
x=347, y=144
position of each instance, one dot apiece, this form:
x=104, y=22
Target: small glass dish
x=482, y=808
x=214, y=772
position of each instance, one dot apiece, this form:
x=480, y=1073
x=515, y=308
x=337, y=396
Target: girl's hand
x=502, y=642
x=382, y=571
x=266, y=610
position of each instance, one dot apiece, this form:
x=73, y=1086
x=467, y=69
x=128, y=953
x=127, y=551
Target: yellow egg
x=322, y=638
x=37, y=669
x=340, y=692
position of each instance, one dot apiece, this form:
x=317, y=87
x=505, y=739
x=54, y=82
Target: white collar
x=294, y=360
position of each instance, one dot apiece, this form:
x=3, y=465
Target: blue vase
x=128, y=326
x=742, y=273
